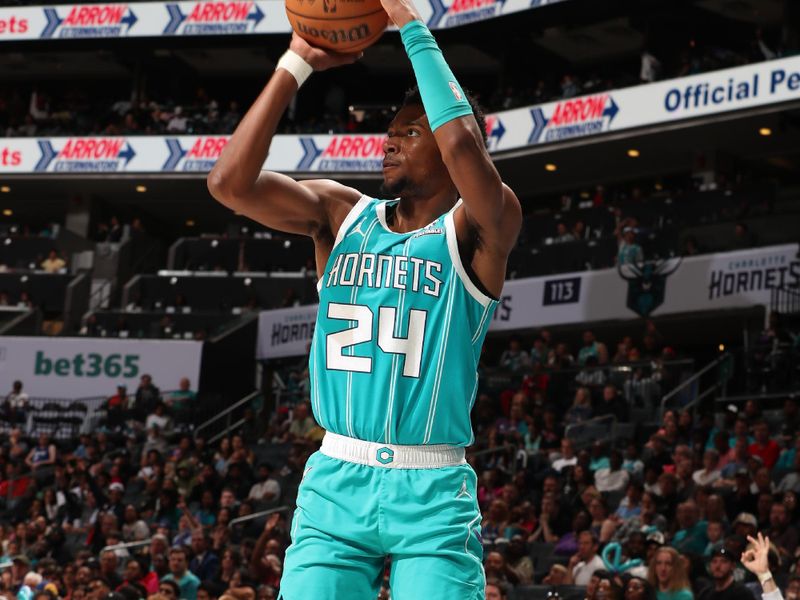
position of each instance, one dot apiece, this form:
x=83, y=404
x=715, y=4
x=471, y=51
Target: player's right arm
x=311, y=208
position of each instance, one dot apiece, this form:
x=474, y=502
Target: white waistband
x=391, y=456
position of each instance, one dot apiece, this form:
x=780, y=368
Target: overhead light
x=633, y=153
x=141, y=189
x=5, y=189
x=247, y=281
x=190, y=222
x=765, y=131
x=550, y=167
x=659, y=187
x=7, y=212
x=722, y=347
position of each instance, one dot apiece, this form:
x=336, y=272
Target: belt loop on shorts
x=391, y=456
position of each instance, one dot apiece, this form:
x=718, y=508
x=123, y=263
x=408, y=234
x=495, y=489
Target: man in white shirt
x=16, y=404
x=267, y=489
x=614, y=478
x=567, y=457
x=583, y=565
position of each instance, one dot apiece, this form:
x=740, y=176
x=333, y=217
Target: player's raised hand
x=401, y=11
x=319, y=58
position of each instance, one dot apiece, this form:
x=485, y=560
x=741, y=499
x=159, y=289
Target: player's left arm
x=491, y=212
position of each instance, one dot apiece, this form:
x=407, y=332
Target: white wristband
x=291, y=61
x=764, y=577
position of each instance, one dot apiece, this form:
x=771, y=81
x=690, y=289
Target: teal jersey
x=399, y=333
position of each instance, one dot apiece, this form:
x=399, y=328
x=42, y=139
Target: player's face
x=412, y=164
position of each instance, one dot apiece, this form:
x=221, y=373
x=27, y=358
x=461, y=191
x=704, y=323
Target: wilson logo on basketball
x=335, y=35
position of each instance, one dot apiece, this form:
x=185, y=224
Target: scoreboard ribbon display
x=228, y=17
x=747, y=87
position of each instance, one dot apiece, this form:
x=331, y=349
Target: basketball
x=340, y=25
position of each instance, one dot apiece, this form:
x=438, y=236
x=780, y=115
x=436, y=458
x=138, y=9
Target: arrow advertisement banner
x=723, y=91
x=225, y=17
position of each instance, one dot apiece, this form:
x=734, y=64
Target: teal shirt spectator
x=786, y=460
x=692, y=540
x=188, y=584
x=630, y=254
x=684, y=594
x=599, y=463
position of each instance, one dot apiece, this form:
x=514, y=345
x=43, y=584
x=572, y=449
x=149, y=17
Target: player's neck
x=414, y=212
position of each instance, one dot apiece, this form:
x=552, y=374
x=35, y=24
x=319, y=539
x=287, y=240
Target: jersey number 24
x=410, y=347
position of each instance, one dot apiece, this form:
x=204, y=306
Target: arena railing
x=687, y=394
x=228, y=416
x=785, y=301
x=126, y=545
x=258, y=515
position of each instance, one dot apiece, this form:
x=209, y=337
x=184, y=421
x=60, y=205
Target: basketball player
x=407, y=290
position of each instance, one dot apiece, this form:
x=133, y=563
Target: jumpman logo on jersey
x=357, y=229
x=464, y=491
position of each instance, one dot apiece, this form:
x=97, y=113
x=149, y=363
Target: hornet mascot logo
x=647, y=282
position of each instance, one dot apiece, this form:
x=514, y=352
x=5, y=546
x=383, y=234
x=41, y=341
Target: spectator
x=158, y=419
x=612, y=404
x=495, y=590
x=147, y=396
x=108, y=569
x=638, y=588
x=629, y=251
x=42, y=455
x=53, y=263
x=267, y=488
x=586, y=561
x=667, y=574
x=180, y=574
x=650, y=67
x=567, y=458
x=563, y=235
x=592, y=348
x=302, y=423
x=724, y=586
x=495, y=567
x=183, y=399
x=742, y=237
x=691, y=536
x=581, y=409
x=782, y=532
x=710, y=472
x=765, y=448
x=791, y=481
x=15, y=406
x=613, y=478
x=519, y=561
x=205, y=563
x=515, y=359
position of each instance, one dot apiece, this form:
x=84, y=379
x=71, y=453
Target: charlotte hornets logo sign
x=647, y=283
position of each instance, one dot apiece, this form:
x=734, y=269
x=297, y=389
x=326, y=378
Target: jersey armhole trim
x=351, y=217
x=455, y=257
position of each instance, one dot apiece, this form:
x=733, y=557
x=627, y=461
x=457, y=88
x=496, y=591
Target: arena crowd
x=142, y=508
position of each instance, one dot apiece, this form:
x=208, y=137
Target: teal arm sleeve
x=442, y=97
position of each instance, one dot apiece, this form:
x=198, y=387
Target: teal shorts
x=350, y=517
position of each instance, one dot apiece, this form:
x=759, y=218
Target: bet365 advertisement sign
x=86, y=367
x=228, y=17
x=747, y=87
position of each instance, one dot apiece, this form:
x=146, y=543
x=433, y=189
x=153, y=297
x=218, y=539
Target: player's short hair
x=413, y=97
